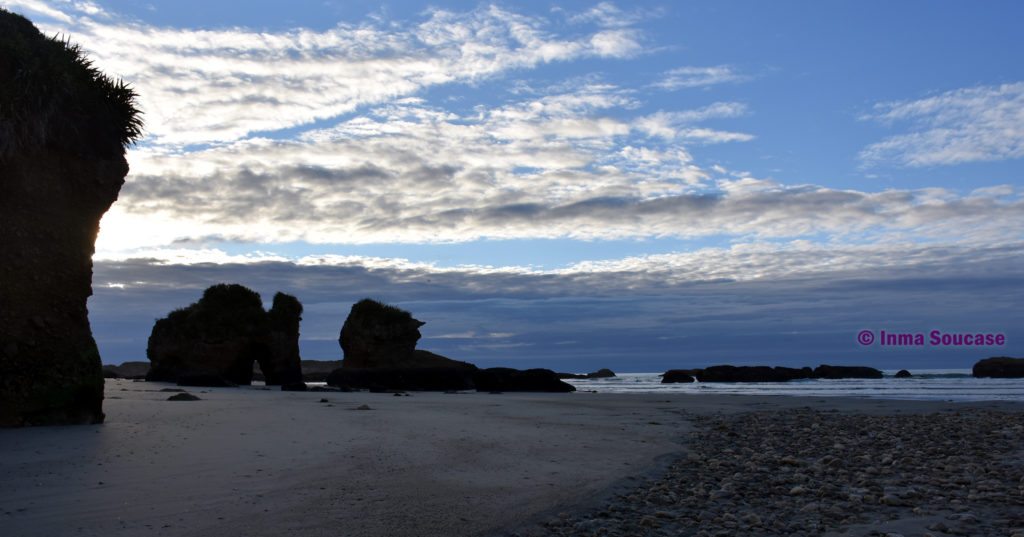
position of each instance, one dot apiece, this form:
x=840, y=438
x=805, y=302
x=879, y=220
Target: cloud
x=410, y=172
x=608, y=15
x=984, y=123
x=696, y=77
x=203, y=86
x=38, y=7
x=539, y=169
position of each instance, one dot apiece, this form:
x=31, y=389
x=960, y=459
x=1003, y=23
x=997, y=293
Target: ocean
x=926, y=384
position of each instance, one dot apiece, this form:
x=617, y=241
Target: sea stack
x=377, y=335
x=215, y=341
x=64, y=127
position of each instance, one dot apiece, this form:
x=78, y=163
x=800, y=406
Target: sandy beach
x=255, y=462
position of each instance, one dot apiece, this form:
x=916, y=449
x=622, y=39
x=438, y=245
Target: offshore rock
x=999, y=367
x=503, y=379
x=282, y=365
x=405, y=379
x=378, y=335
x=218, y=339
x=729, y=373
x=846, y=372
x=673, y=376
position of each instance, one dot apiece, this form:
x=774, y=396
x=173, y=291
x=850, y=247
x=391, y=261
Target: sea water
x=926, y=384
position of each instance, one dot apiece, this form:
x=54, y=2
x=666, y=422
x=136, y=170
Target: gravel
x=804, y=472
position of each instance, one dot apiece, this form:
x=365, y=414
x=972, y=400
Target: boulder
x=729, y=373
x=999, y=367
x=846, y=372
x=183, y=397
x=223, y=335
x=673, y=376
x=903, y=374
x=503, y=379
x=281, y=365
x=63, y=130
x=379, y=379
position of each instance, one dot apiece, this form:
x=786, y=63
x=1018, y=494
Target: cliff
x=64, y=127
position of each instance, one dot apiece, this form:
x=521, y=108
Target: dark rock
x=673, y=376
x=223, y=334
x=172, y=390
x=502, y=379
x=599, y=374
x=386, y=379
x=63, y=129
x=846, y=372
x=376, y=335
x=205, y=380
x=294, y=387
x=999, y=367
x=281, y=365
x=602, y=373
x=363, y=407
x=127, y=370
x=729, y=373
x=903, y=374
x=183, y=397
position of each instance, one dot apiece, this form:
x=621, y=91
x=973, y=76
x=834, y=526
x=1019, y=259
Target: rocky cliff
x=63, y=130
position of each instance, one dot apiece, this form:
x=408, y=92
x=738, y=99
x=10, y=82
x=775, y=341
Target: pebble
x=802, y=473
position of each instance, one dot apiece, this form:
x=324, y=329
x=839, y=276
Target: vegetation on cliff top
x=369, y=308
x=51, y=95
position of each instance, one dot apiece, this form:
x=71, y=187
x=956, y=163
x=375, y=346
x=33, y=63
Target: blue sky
x=574, y=185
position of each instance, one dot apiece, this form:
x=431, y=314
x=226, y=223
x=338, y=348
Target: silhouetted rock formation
x=282, y=364
x=377, y=335
x=1000, y=367
x=379, y=343
x=846, y=372
x=63, y=130
x=127, y=370
x=407, y=379
x=729, y=373
x=903, y=374
x=599, y=374
x=675, y=376
x=215, y=341
x=503, y=379
x=760, y=373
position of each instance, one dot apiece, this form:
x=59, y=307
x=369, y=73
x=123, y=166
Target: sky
x=574, y=185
